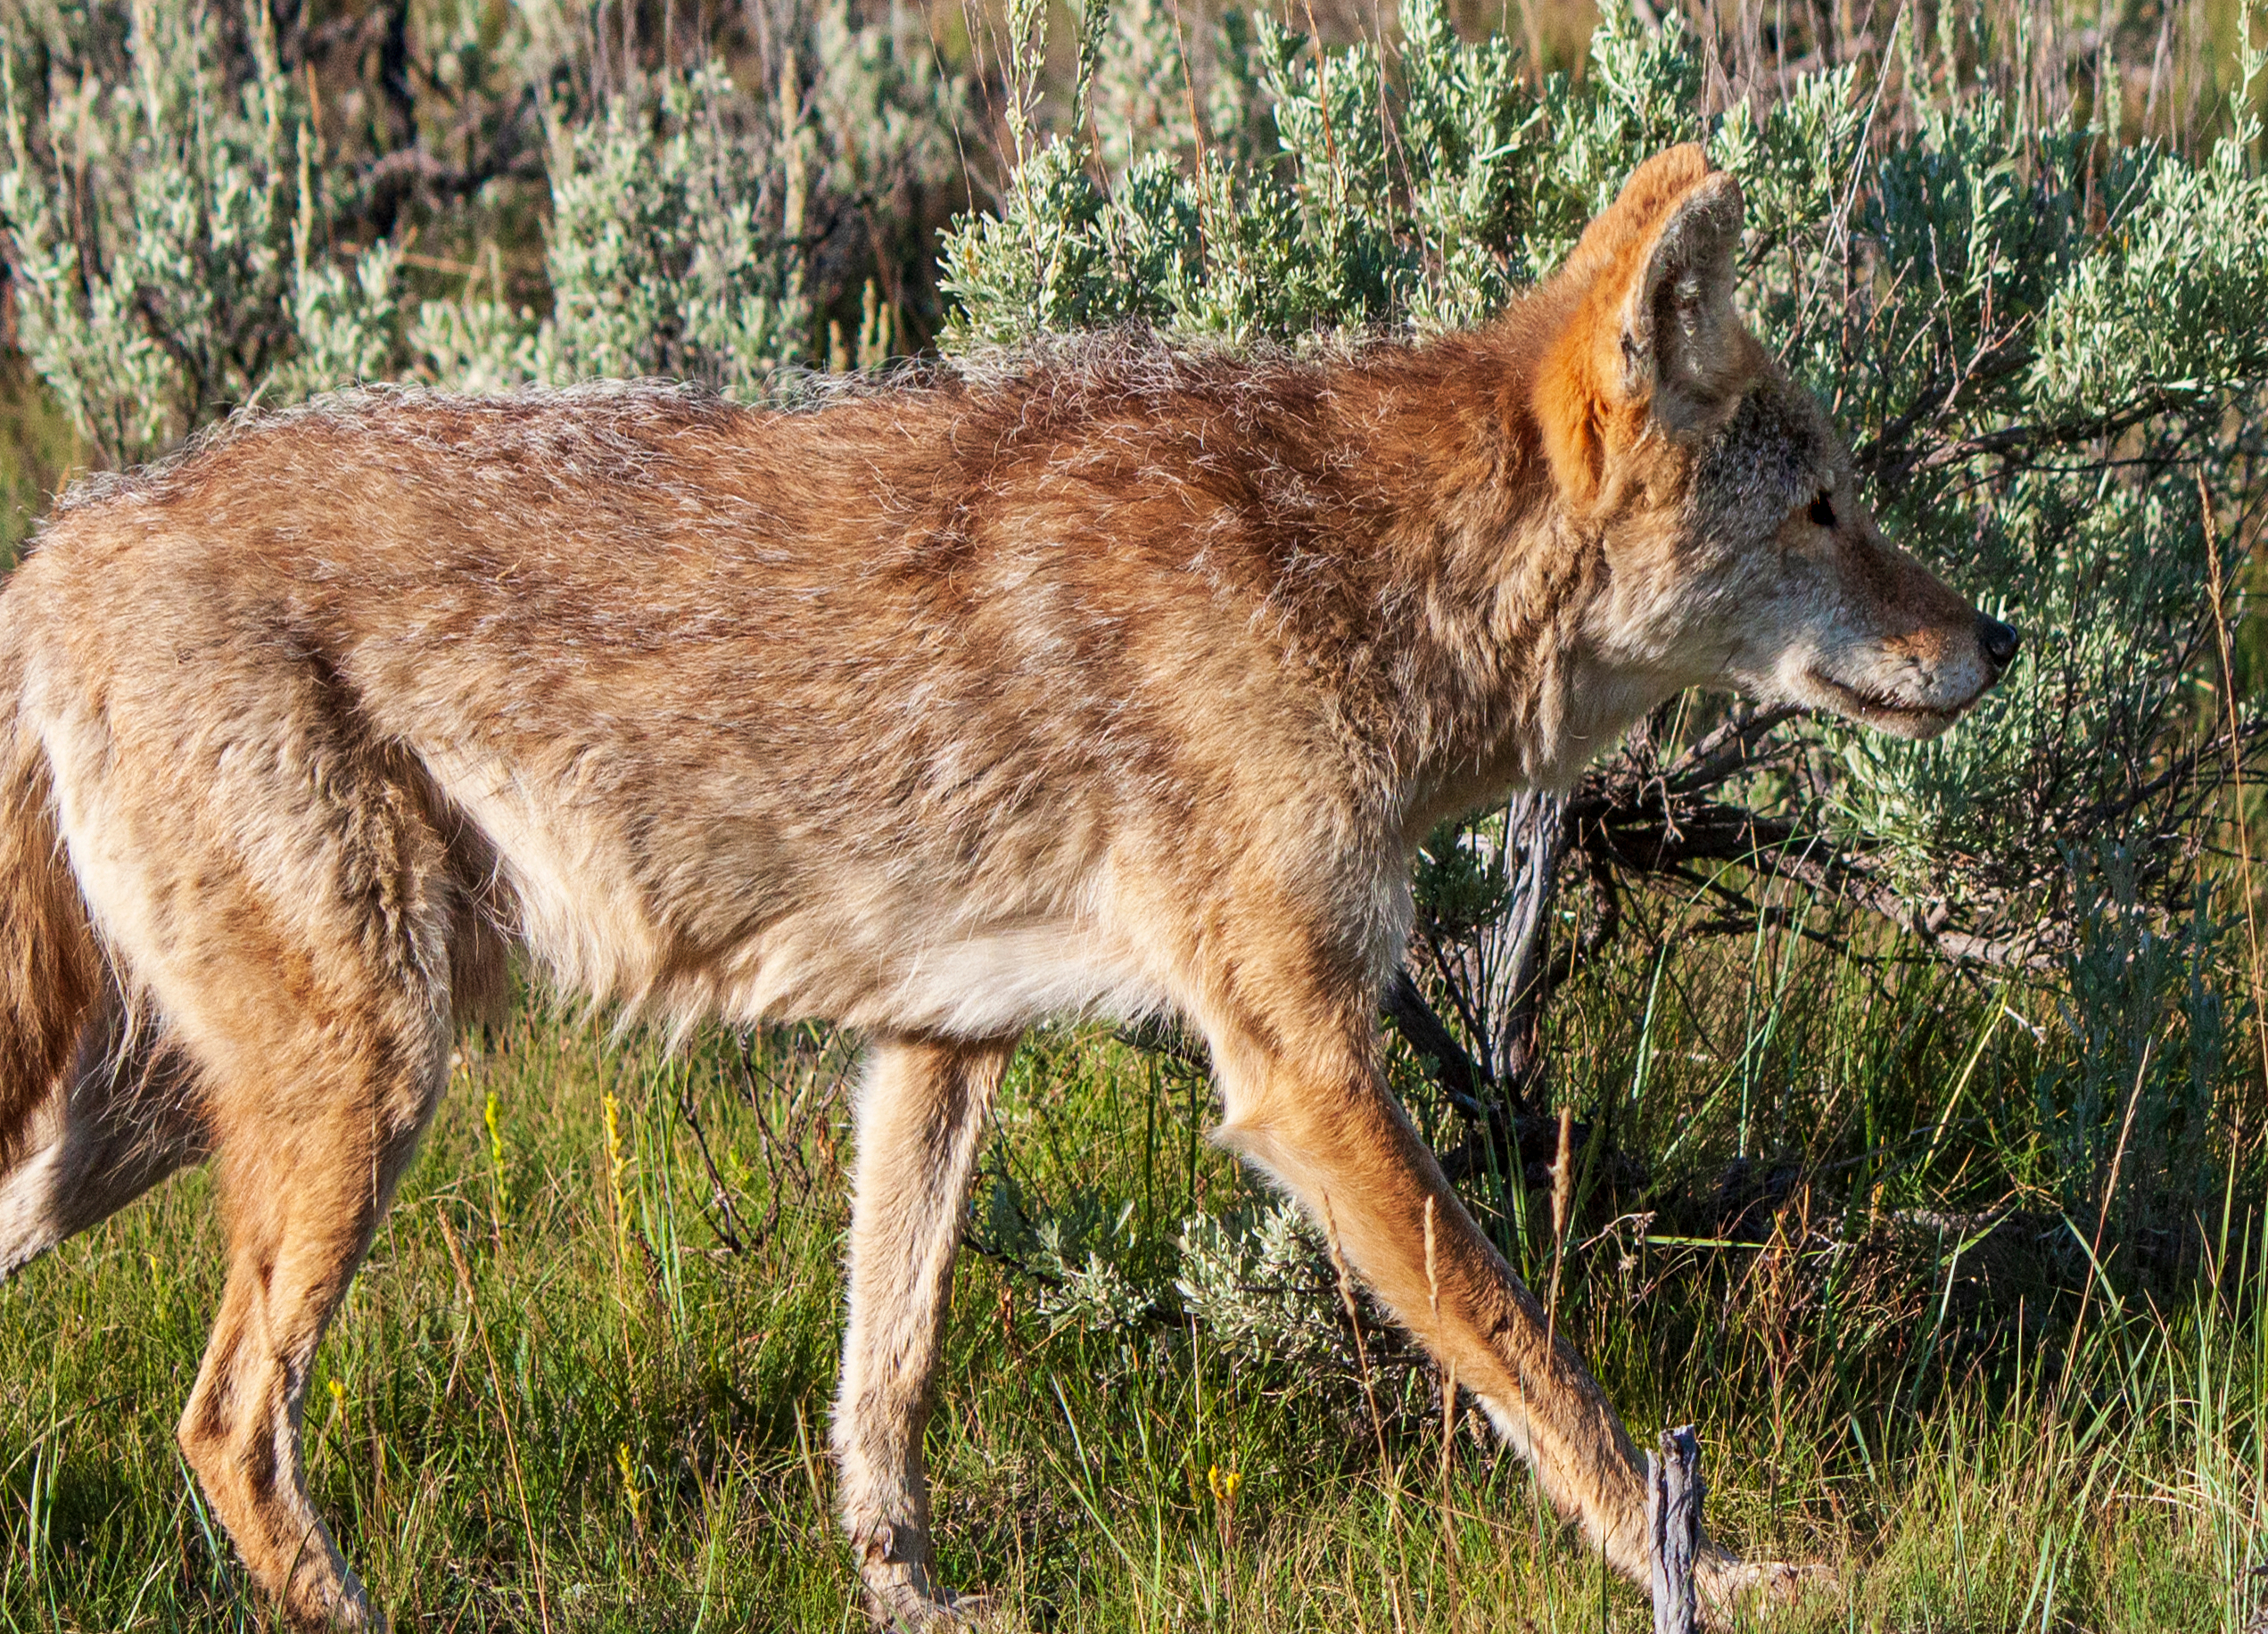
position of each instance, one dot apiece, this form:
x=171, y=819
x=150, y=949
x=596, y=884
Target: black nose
x=1999, y=641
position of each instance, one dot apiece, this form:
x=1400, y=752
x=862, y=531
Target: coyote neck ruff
x=1113, y=680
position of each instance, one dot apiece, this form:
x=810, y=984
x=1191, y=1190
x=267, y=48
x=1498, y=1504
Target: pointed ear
x=1683, y=350
x=1648, y=341
x=1652, y=192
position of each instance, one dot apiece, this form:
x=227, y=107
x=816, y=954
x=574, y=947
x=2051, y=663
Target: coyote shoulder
x=1120, y=681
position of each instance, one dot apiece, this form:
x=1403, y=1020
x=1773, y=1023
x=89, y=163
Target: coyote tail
x=49, y=967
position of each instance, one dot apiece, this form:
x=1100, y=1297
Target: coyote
x=1121, y=680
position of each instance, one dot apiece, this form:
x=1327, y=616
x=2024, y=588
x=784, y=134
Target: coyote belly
x=1120, y=680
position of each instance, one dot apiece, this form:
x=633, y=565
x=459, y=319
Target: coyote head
x=1736, y=548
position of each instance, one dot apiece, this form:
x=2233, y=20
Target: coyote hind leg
x=920, y=1112
x=317, y=1022
x=310, y=1150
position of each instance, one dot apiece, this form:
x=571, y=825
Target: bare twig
x=728, y=1221
x=1455, y=1069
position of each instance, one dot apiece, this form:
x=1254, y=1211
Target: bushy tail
x=49, y=967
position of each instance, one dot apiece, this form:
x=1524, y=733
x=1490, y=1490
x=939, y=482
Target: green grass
x=639, y=1443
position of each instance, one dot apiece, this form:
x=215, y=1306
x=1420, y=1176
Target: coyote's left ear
x=1682, y=346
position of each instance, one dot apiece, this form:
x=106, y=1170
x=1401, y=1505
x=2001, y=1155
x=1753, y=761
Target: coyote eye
x=1823, y=511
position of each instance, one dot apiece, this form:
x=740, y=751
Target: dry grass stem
x=503, y=1416
x=1563, y=1177
x=2213, y=583
x=1355, y=1322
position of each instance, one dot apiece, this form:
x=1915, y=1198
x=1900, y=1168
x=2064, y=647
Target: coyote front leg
x=919, y=1115
x=1321, y=1123
x=1308, y=1106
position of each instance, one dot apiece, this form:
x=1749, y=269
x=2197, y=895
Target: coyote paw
x=344, y=1608
x=908, y=1611
x=1728, y=1585
x=901, y=1595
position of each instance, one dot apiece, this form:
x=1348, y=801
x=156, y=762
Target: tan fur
x=1111, y=681
x=48, y=962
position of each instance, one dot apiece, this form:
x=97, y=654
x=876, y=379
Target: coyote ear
x=1682, y=348
x=1649, y=338
x=1636, y=214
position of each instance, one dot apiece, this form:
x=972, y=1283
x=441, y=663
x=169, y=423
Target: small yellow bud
x=631, y=1497
x=617, y=1167
x=492, y=1115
